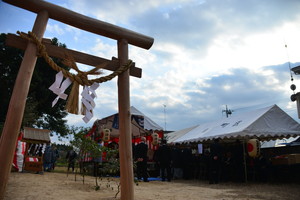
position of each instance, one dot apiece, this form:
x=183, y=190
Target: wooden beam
x=298, y=103
x=125, y=142
x=17, y=103
x=60, y=52
x=85, y=23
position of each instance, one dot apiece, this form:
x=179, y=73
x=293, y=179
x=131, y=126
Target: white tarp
x=279, y=142
x=148, y=123
x=265, y=124
x=138, y=125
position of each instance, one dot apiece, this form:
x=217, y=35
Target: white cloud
x=206, y=54
x=55, y=29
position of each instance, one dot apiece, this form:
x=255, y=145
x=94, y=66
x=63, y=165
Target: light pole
x=165, y=116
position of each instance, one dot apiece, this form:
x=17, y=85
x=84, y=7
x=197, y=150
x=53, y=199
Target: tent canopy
x=148, y=123
x=264, y=124
x=139, y=123
x=173, y=136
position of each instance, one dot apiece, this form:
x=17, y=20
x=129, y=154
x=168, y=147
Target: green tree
x=86, y=145
x=38, y=111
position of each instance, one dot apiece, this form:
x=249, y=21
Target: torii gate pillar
x=125, y=147
x=17, y=103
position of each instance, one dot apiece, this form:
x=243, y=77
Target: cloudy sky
x=206, y=54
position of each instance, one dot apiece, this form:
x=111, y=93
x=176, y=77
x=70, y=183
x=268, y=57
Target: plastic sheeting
x=140, y=123
x=148, y=123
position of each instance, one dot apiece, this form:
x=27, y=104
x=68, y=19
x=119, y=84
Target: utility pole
x=227, y=111
x=165, y=116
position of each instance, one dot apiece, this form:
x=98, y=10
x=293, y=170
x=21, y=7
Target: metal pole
x=245, y=162
x=165, y=116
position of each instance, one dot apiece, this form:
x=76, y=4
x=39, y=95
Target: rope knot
x=81, y=78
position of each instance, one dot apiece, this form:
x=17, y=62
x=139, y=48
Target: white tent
x=265, y=124
x=171, y=137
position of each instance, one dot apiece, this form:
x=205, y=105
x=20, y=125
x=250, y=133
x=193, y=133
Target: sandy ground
x=50, y=186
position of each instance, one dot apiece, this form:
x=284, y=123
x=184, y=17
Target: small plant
x=97, y=187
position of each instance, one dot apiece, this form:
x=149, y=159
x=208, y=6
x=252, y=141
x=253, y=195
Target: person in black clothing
x=238, y=161
x=71, y=157
x=187, y=159
x=164, y=159
x=140, y=154
x=48, y=158
x=227, y=172
x=55, y=156
x=215, y=162
x=176, y=157
x=263, y=169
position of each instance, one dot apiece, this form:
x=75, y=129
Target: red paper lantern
x=253, y=147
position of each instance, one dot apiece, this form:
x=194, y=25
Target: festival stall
x=36, y=141
x=106, y=131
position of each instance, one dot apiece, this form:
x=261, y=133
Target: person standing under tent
x=238, y=161
x=215, y=162
x=187, y=159
x=164, y=156
x=140, y=152
x=176, y=157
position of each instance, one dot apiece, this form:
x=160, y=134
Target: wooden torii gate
x=15, y=112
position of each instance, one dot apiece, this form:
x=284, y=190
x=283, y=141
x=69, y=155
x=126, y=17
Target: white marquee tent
x=264, y=124
x=171, y=137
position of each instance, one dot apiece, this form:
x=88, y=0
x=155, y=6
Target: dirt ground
x=52, y=186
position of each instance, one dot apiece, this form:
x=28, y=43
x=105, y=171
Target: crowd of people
x=215, y=164
x=51, y=155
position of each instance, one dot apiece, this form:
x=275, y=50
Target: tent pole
x=245, y=162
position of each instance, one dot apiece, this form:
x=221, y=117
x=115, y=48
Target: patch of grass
x=59, y=169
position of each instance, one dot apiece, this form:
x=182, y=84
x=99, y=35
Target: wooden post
x=17, y=103
x=298, y=104
x=125, y=142
x=245, y=161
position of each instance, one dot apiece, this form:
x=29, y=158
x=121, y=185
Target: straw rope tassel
x=73, y=99
x=79, y=79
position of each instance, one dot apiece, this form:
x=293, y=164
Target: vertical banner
x=200, y=148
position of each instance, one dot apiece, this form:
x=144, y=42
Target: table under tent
x=141, y=126
x=30, y=147
x=235, y=132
